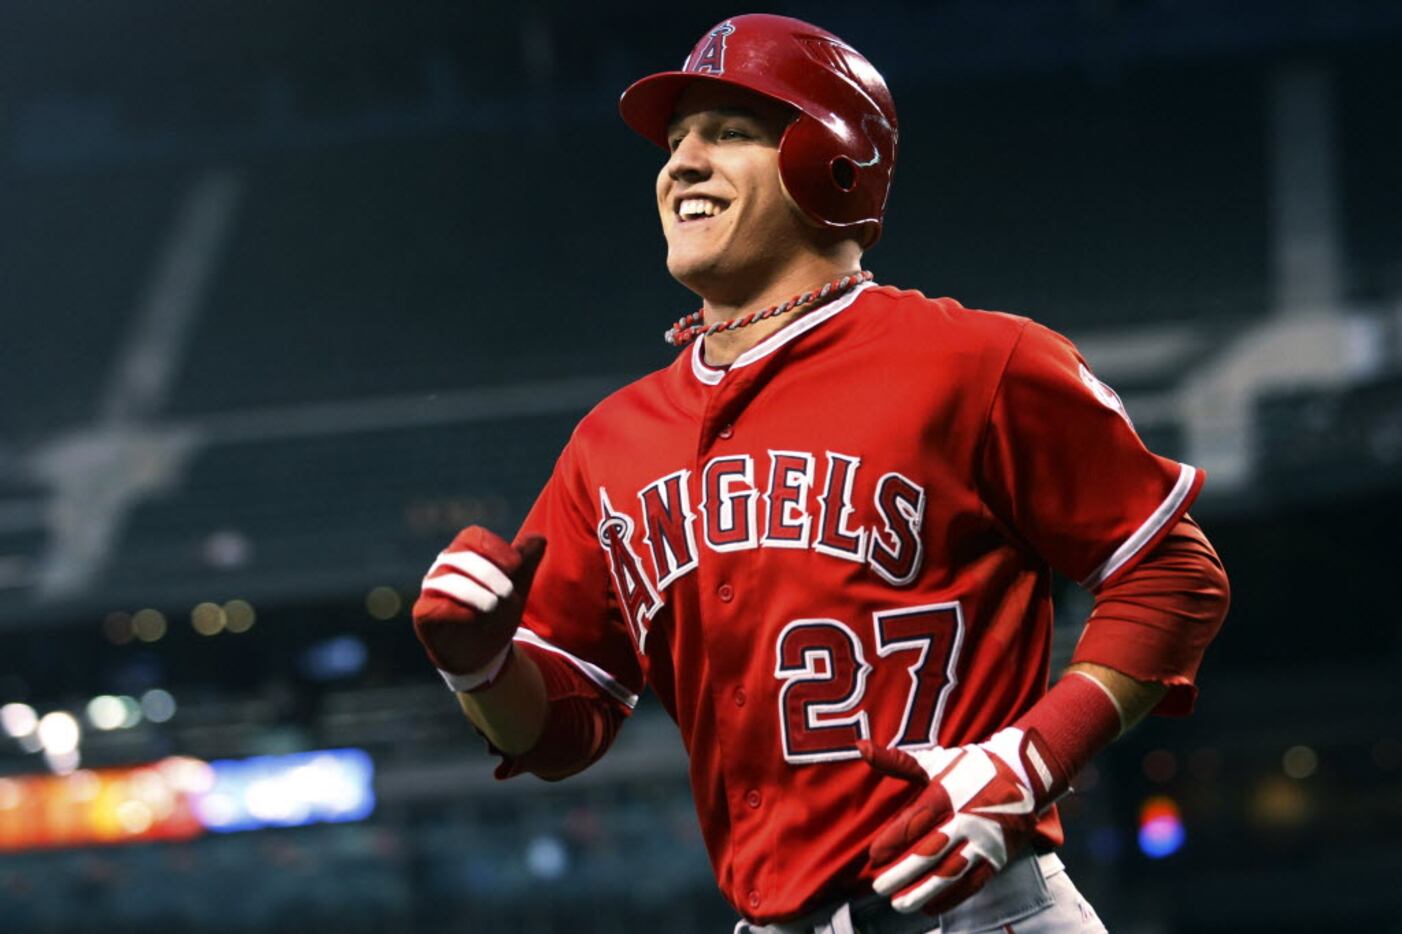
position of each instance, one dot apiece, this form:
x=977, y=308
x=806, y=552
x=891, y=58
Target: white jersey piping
x=1151, y=527
x=593, y=672
x=711, y=375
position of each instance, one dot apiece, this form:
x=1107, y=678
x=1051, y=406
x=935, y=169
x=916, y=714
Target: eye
x=731, y=132
x=673, y=142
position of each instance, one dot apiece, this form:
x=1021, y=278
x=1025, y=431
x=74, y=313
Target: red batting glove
x=978, y=810
x=470, y=605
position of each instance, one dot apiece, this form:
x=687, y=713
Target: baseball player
x=824, y=537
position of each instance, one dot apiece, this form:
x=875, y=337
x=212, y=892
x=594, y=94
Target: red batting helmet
x=836, y=157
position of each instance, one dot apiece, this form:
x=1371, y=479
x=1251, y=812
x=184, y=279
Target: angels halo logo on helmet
x=837, y=156
x=709, y=54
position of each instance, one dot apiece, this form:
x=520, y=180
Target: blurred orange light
x=1278, y=802
x=97, y=806
x=1158, y=808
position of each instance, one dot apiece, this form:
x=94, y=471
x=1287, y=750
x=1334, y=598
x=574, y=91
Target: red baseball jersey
x=848, y=534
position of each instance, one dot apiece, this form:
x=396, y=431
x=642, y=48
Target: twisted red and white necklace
x=690, y=328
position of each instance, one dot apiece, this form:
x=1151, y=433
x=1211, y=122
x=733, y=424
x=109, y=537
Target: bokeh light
x=116, y=627
x=83, y=785
x=239, y=616
x=106, y=712
x=59, y=732
x=1299, y=762
x=18, y=719
x=187, y=774
x=149, y=625
x=227, y=549
x=10, y=794
x=546, y=857
x=64, y=762
x=383, y=603
x=150, y=787
x=133, y=711
x=135, y=816
x=1161, y=831
x=288, y=790
x=208, y=619
x=1278, y=802
x=158, y=705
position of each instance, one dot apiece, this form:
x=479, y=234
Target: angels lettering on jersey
x=785, y=499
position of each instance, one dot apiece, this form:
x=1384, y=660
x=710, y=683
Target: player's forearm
x=512, y=712
x=1133, y=699
x=1175, y=594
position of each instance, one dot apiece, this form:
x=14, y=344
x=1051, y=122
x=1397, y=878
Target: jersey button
x=754, y=899
x=725, y=592
x=727, y=431
x=752, y=798
x=739, y=696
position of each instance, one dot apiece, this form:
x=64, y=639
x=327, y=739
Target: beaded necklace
x=690, y=328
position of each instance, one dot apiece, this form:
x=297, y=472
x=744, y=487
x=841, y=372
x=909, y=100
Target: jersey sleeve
x=580, y=723
x=569, y=611
x=1154, y=621
x=1064, y=470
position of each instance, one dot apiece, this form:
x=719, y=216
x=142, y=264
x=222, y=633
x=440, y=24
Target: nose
x=690, y=161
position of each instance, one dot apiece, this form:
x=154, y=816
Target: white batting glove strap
x=1007, y=744
x=471, y=579
x=1024, y=757
x=475, y=679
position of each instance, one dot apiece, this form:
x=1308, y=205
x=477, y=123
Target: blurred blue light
x=333, y=785
x=546, y=858
x=340, y=657
x=1160, y=837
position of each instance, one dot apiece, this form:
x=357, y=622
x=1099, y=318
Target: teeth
x=698, y=207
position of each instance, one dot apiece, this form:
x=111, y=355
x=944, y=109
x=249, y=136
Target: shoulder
x=909, y=318
x=621, y=410
x=605, y=429
x=947, y=317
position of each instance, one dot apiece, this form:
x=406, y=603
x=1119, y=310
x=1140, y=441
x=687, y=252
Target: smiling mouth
x=692, y=210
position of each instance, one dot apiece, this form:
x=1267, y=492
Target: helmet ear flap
x=828, y=185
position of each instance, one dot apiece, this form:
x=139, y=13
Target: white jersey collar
x=711, y=375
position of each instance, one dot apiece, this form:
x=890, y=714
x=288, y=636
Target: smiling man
x=824, y=537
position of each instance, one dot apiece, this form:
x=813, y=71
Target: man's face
x=724, y=211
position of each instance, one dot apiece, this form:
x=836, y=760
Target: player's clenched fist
x=470, y=604
x=978, y=810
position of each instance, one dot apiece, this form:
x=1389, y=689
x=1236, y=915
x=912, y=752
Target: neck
x=810, y=272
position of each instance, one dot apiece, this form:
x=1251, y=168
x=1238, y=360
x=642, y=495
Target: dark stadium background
x=289, y=292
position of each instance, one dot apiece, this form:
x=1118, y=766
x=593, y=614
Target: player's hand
x=977, y=811
x=471, y=601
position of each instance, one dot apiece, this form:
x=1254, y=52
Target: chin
x=692, y=268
